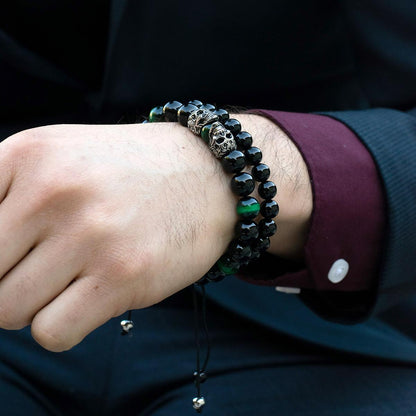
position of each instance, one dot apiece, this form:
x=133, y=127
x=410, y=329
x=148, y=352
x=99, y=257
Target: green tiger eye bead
x=227, y=266
x=156, y=114
x=248, y=208
x=205, y=133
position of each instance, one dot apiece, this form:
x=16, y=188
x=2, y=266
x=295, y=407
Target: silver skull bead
x=221, y=140
x=199, y=118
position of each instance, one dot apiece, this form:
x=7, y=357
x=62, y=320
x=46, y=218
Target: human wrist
x=233, y=147
x=290, y=174
x=208, y=190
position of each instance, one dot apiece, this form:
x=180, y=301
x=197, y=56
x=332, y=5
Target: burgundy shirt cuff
x=348, y=217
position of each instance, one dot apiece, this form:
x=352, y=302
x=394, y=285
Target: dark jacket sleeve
x=390, y=136
x=342, y=252
x=383, y=38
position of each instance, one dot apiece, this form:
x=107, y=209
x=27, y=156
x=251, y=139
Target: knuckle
x=49, y=336
x=27, y=141
x=9, y=320
x=127, y=263
x=54, y=186
x=57, y=192
x=100, y=225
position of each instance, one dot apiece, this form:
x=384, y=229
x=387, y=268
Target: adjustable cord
x=200, y=373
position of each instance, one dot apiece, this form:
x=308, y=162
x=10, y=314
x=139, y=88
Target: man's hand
x=96, y=220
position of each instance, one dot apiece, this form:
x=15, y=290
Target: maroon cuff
x=348, y=217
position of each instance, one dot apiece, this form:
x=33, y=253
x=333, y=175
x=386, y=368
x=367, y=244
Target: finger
x=19, y=232
x=7, y=161
x=85, y=305
x=36, y=280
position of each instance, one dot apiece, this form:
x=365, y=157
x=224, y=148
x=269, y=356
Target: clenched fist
x=96, y=220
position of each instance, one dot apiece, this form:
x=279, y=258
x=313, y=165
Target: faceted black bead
x=209, y=107
x=255, y=254
x=262, y=244
x=196, y=103
x=239, y=253
x=234, y=162
x=170, y=110
x=233, y=125
x=242, y=184
x=261, y=172
x=199, y=377
x=156, y=115
x=222, y=114
x=267, y=190
x=214, y=275
x=253, y=156
x=184, y=112
x=267, y=228
x=243, y=140
x=269, y=209
x=246, y=231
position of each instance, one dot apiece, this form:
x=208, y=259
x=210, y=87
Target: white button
x=290, y=290
x=338, y=271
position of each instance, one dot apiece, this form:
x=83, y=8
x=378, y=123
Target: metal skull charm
x=199, y=118
x=221, y=140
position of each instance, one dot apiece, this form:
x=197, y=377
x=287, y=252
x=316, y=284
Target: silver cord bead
x=126, y=325
x=198, y=403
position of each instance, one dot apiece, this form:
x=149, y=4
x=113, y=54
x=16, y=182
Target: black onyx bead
x=171, y=110
x=197, y=103
x=248, y=208
x=267, y=190
x=156, y=115
x=267, y=228
x=239, y=253
x=262, y=244
x=261, y=172
x=214, y=275
x=184, y=112
x=269, y=209
x=244, y=140
x=246, y=231
x=199, y=377
x=209, y=107
x=242, y=184
x=222, y=114
x=234, y=162
x=253, y=156
x=255, y=254
x=233, y=125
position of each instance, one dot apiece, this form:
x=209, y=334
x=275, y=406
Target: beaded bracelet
x=234, y=148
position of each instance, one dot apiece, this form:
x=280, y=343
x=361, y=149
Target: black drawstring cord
x=198, y=346
x=200, y=373
x=200, y=314
x=204, y=322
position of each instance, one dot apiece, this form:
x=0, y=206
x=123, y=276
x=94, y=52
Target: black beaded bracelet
x=234, y=148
